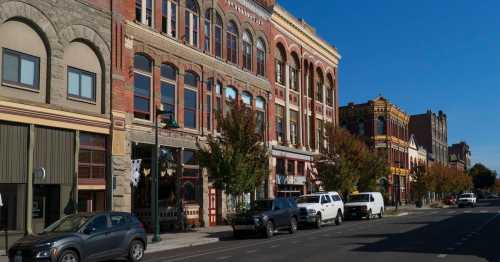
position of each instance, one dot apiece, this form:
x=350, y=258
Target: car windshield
x=359, y=198
x=263, y=205
x=308, y=199
x=67, y=224
x=465, y=195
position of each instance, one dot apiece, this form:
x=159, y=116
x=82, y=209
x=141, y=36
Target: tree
x=237, y=160
x=483, y=177
x=497, y=186
x=348, y=164
x=420, y=185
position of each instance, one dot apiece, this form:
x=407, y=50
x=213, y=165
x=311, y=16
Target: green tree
x=420, y=185
x=374, y=167
x=237, y=160
x=482, y=177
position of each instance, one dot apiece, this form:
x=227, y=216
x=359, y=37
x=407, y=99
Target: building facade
x=417, y=155
x=460, y=156
x=431, y=130
x=195, y=57
x=54, y=110
x=384, y=127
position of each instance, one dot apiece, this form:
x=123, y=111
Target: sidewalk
x=195, y=237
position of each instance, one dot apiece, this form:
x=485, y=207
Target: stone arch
x=248, y=26
x=89, y=36
x=230, y=16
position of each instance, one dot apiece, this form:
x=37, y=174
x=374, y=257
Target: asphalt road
x=466, y=234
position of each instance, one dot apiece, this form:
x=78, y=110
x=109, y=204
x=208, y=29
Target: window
x=169, y=18
x=290, y=169
x=218, y=35
x=310, y=85
x=300, y=168
x=280, y=166
x=99, y=224
x=247, y=50
x=319, y=90
x=294, y=73
x=294, y=127
x=168, y=85
x=280, y=65
x=232, y=43
x=381, y=125
x=325, y=199
x=190, y=99
x=144, y=12
x=218, y=92
x=189, y=157
x=209, y=112
x=208, y=31
x=361, y=127
x=260, y=106
x=20, y=69
x=81, y=84
x=92, y=156
x=319, y=134
x=280, y=123
x=191, y=23
x=142, y=87
x=231, y=94
x=118, y=220
x=246, y=98
x=189, y=192
x=261, y=58
x=329, y=96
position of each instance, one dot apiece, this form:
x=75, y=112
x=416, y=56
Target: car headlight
x=256, y=220
x=45, y=253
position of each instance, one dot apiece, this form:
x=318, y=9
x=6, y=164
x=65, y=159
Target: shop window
x=189, y=192
x=300, y=168
x=20, y=69
x=290, y=169
x=189, y=157
x=92, y=156
x=280, y=166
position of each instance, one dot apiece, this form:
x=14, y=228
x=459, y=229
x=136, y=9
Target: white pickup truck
x=467, y=199
x=319, y=208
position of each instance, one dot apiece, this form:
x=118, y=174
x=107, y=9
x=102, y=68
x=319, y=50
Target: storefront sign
x=244, y=12
x=290, y=180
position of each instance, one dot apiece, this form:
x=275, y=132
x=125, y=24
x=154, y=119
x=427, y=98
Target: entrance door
x=212, y=207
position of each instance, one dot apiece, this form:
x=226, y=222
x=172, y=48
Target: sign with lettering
x=244, y=12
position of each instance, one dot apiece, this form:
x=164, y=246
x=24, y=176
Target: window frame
x=170, y=18
x=142, y=5
x=149, y=74
x=173, y=82
x=218, y=41
x=191, y=25
x=247, y=50
x=232, y=39
x=91, y=148
x=194, y=89
x=20, y=56
x=80, y=72
x=207, y=45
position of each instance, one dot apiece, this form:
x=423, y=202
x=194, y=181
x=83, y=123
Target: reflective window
x=191, y=22
x=190, y=108
x=144, y=11
x=246, y=98
x=261, y=58
x=169, y=17
x=81, y=84
x=232, y=43
x=20, y=69
x=247, y=50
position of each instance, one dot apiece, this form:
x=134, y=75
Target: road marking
x=483, y=211
x=223, y=258
x=451, y=212
x=327, y=235
x=295, y=242
x=251, y=251
x=468, y=211
x=274, y=246
x=442, y=255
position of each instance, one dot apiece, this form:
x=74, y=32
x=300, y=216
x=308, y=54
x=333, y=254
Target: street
x=453, y=234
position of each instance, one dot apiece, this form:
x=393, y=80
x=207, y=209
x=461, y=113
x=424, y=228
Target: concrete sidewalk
x=195, y=237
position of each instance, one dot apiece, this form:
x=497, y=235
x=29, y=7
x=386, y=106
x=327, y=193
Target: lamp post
x=170, y=123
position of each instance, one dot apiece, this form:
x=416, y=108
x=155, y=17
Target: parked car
x=322, y=207
x=451, y=200
x=84, y=237
x=366, y=204
x=467, y=199
x=267, y=217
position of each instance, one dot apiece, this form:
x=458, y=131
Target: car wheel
x=381, y=214
x=318, y=222
x=339, y=218
x=369, y=215
x=68, y=256
x=136, y=251
x=269, y=229
x=293, y=225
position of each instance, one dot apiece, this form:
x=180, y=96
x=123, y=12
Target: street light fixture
x=169, y=124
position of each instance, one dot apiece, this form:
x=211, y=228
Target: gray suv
x=84, y=237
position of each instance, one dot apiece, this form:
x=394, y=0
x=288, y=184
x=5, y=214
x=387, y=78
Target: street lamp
x=169, y=124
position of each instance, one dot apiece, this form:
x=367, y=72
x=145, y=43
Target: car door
x=119, y=232
x=326, y=206
x=97, y=243
x=280, y=212
x=373, y=205
x=337, y=203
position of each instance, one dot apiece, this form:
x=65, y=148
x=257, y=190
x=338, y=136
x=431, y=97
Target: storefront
x=291, y=168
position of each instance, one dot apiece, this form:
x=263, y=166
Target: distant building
x=417, y=155
x=431, y=131
x=384, y=126
x=460, y=156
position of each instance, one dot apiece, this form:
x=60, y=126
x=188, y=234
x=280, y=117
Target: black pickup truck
x=267, y=217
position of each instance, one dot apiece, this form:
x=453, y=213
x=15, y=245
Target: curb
x=397, y=215
x=167, y=246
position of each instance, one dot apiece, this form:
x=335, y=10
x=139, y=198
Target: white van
x=365, y=204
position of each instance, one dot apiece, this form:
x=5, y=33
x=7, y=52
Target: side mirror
x=89, y=230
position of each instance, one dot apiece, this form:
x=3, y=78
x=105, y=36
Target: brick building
x=54, y=109
x=194, y=56
x=431, y=130
x=384, y=126
x=460, y=156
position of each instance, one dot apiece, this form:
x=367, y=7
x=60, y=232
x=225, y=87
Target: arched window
x=361, y=127
x=231, y=94
x=142, y=86
x=246, y=98
x=280, y=61
x=168, y=85
x=294, y=127
x=169, y=17
x=83, y=75
x=191, y=23
x=381, y=126
x=294, y=73
x=190, y=99
x=232, y=43
x=218, y=35
x=260, y=106
x=320, y=84
x=247, y=50
x=329, y=91
x=261, y=57
x=144, y=11
x=208, y=31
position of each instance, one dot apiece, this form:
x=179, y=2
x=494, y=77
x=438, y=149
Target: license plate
x=244, y=227
x=18, y=258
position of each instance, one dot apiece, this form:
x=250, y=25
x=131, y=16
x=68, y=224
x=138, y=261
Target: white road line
x=223, y=258
x=251, y=251
x=468, y=211
x=274, y=246
x=442, y=255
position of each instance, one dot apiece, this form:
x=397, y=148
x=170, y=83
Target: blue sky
x=426, y=54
